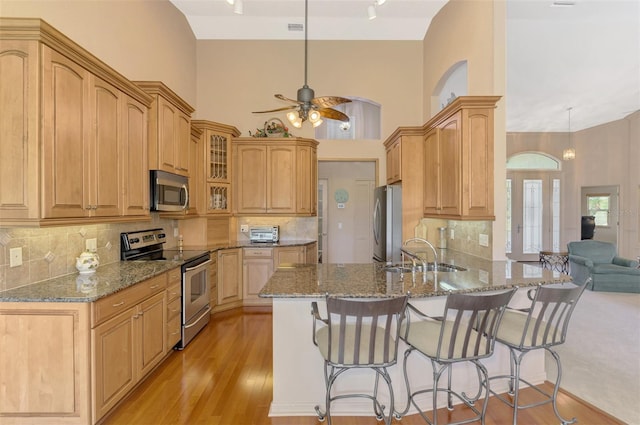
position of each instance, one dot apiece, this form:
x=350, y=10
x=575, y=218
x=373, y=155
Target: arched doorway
x=533, y=205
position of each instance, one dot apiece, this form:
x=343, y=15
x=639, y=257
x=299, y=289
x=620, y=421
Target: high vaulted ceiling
x=585, y=57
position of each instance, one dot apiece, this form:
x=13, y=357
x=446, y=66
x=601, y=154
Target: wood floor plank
x=224, y=377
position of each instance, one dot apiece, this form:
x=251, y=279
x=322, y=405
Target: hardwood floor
x=224, y=377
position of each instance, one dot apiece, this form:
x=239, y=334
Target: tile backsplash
x=51, y=252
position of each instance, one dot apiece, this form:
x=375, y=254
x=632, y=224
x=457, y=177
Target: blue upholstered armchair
x=598, y=259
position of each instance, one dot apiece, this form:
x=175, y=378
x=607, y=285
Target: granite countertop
x=371, y=280
x=114, y=277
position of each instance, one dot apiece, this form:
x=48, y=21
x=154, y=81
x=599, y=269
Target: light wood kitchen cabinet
x=46, y=362
x=394, y=162
x=62, y=130
x=169, y=129
x=213, y=281
x=289, y=255
x=257, y=268
x=174, y=308
x=405, y=156
x=229, y=279
x=458, y=160
x=65, y=103
x=128, y=340
x=216, y=139
x=135, y=158
x=278, y=176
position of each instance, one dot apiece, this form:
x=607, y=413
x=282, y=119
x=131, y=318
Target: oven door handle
x=188, y=269
x=195, y=322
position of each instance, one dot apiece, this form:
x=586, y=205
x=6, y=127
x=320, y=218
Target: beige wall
x=142, y=40
x=235, y=78
x=474, y=31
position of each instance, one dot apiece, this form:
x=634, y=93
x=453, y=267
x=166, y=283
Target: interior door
x=532, y=214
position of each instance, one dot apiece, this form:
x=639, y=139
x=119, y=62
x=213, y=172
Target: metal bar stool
x=540, y=326
x=358, y=334
x=465, y=333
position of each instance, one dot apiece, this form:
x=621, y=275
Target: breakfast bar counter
x=298, y=370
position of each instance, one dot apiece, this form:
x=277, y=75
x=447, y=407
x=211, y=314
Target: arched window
x=364, y=122
x=532, y=161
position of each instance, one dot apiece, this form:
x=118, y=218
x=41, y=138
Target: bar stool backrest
x=470, y=325
x=548, y=318
x=364, y=333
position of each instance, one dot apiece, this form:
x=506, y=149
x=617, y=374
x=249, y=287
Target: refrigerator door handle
x=377, y=212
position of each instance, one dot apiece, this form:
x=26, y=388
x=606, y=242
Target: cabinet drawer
x=109, y=306
x=258, y=252
x=174, y=291
x=174, y=308
x=175, y=276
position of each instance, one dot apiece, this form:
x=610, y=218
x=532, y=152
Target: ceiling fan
x=307, y=106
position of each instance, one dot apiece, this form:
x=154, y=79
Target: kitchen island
x=298, y=380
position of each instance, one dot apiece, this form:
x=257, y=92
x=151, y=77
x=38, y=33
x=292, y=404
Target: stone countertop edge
x=372, y=281
x=114, y=277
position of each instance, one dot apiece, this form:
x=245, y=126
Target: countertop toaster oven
x=263, y=234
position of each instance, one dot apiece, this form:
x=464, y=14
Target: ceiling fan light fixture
x=314, y=116
x=371, y=11
x=317, y=122
x=380, y=2
x=231, y=2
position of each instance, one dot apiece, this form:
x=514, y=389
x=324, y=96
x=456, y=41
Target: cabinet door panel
x=65, y=130
x=478, y=196
x=251, y=193
x=229, y=276
x=104, y=158
x=19, y=129
x=256, y=273
x=135, y=158
x=115, y=371
x=166, y=133
x=431, y=172
x=152, y=326
x=450, y=157
x=281, y=179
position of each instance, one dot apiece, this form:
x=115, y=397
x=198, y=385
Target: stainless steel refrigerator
x=387, y=223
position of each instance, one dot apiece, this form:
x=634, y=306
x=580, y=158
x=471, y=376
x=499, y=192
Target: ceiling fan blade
x=333, y=114
x=329, y=101
x=286, y=108
x=286, y=99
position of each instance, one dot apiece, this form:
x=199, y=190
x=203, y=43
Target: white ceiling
x=586, y=57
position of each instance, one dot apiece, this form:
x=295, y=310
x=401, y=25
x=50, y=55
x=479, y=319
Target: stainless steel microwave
x=169, y=192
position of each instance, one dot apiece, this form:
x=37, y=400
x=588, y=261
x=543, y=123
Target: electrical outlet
x=15, y=257
x=91, y=244
x=244, y=228
x=176, y=232
x=483, y=240
x=452, y=233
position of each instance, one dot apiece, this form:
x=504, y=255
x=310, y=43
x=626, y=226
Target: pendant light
x=569, y=153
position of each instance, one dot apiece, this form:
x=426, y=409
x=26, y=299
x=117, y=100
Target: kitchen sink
x=408, y=268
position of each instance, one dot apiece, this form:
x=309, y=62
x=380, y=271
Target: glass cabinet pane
x=218, y=168
x=218, y=199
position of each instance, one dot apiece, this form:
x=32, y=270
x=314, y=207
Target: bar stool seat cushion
x=379, y=351
x=424, y=336
x=512, y=328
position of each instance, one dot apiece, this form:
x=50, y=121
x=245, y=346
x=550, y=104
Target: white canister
x=443, y=238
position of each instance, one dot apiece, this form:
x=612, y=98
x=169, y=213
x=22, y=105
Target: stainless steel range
x=146, y=245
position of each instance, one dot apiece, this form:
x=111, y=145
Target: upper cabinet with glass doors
x=216, y=141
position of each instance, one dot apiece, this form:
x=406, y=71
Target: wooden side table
x=555, y=260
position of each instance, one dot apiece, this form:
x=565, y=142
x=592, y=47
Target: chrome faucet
x=415, y=257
